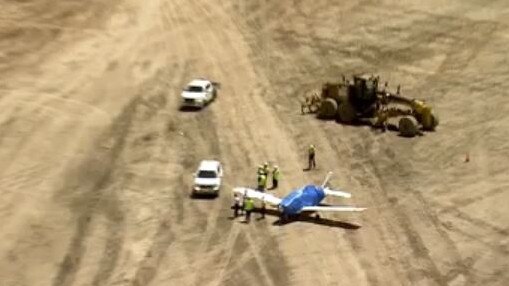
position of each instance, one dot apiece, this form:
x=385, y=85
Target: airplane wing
x=329, y=192
x=332, y=209
x=250, y=193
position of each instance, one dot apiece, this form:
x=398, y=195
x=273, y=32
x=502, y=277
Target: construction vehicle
x=362, y=101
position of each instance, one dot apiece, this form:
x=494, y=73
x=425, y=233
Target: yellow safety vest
x=276, y=174
x=262, y=180
x=249, y=205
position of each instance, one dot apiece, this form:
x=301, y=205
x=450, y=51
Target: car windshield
x=207, y=174
x=194, y=88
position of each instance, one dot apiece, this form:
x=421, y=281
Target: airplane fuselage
x=310, y=195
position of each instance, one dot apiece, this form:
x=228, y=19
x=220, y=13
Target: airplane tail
x=334, y=193
x=327, y=178
x=330, y=192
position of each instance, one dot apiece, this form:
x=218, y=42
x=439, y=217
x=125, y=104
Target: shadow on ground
x=307, y=218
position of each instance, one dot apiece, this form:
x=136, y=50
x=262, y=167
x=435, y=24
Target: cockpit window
x=207, y=174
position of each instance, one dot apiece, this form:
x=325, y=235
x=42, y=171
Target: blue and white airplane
x=304, y=199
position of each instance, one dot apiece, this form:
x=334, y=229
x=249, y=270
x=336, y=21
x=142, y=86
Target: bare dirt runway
x=96, y=158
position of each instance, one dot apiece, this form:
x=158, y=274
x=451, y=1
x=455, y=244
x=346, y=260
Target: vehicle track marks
x=92, y=184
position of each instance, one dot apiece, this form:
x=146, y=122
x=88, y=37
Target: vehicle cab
x=207, y=179
x=198, y=93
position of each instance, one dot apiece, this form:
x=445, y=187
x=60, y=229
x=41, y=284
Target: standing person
x=266, y=169
x=259, y=170
x=262, y=182
x=248, y=208
x=262, y=210
x=311, y=157
x=266, y=172
x=275, y=177
x=236, y=205
x=243, y=202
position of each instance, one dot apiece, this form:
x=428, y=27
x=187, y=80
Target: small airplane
x=304, y=199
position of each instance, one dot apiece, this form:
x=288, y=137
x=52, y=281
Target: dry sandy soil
x=96, y=158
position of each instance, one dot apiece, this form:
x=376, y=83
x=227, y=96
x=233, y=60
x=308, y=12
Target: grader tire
x=346, y=113
x=408, y=126
x=328, y=109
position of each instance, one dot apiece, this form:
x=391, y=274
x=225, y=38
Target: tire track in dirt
x=22, y=142
x=91, y=194
x=199, y=127
x=456, y=69
x=18, y=185
x=410, y=197
x=437, y=274
x=197, y=131
x=151, y=108
x=37, y=101
x=252, y=111
x=92, y=183
x=276, y=103
x=225, y=203
x=425, y=205
x=115, y=229
x=456, y=60
x=165, y=235
x=464, y=33
x=59, y=24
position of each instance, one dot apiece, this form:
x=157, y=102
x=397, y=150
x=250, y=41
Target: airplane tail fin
x=327, y=178
x=330, y=192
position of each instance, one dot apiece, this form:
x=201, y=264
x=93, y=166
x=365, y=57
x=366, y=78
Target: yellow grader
x=360, y=100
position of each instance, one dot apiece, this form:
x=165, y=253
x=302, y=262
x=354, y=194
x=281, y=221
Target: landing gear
x=283, y=218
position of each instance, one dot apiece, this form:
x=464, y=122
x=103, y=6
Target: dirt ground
x=96, y=158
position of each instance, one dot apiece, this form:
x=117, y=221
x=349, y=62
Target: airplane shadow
x=308, y=219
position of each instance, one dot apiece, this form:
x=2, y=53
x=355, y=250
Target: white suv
x=207, y=179
x=198, y=93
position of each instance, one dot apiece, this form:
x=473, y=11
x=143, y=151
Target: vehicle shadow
x=189, y=109
x=307, y=218
x=206, y=197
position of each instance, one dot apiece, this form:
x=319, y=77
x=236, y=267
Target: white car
x=198, y=93
x=207, y=179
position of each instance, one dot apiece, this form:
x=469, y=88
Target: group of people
x=263, y=176
x=246, y=205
